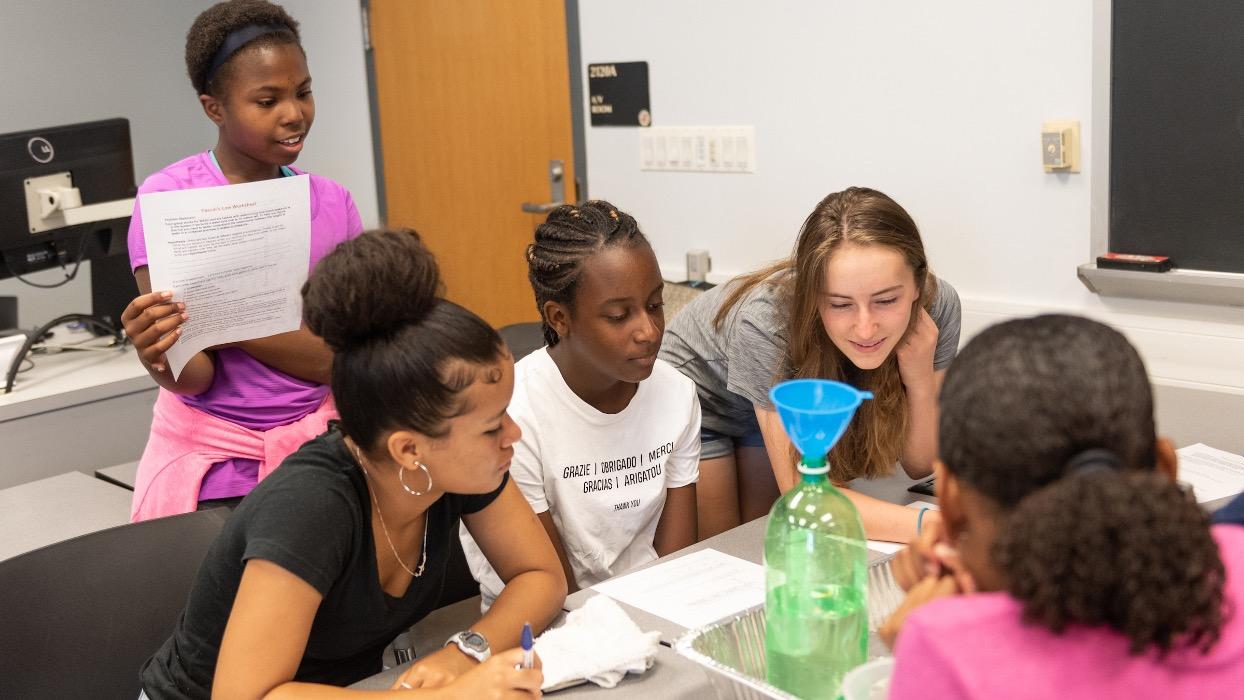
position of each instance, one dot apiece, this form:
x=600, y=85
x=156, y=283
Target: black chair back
x=522, y=338
x=78, y=618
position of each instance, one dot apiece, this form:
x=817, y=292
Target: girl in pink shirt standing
x=236, y=410
x=1069, y=562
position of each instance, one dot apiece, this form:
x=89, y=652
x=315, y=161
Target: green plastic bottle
x=816, y=587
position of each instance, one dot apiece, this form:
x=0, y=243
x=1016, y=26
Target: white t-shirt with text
x=603, y=477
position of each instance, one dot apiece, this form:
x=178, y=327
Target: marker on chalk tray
x=1139, y=263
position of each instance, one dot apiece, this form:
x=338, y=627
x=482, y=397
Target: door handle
x=545, y=208
x=557, y=190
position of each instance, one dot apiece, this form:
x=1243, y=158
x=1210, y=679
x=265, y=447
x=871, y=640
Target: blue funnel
x=815, y=413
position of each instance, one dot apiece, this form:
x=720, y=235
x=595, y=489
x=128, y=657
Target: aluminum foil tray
x=732, y=651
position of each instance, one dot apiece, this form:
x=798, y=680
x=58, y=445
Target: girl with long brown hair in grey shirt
x=855, y=302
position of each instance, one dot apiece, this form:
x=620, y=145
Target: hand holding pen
x=501, y=676
x=528, y=643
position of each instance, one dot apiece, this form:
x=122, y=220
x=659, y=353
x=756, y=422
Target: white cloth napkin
x=599, y=642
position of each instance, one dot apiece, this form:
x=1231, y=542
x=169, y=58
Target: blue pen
x=528, y=643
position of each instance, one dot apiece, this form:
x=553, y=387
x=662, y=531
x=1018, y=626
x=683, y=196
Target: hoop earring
x=401, y=478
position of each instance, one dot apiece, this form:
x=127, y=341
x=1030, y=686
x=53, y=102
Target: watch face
x=475, y=641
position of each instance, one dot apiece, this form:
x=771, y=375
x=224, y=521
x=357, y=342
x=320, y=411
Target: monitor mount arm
x=53, y=202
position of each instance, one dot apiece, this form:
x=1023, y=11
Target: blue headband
x=1092, y=461
x=235, y=41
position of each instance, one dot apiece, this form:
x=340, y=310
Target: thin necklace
x=423, y=549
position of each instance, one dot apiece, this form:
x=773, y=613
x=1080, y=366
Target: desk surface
x=58, y=508
x=123, y=475
x=671, y=676
x=747, y=542
x=892, y=488
x=74, y=377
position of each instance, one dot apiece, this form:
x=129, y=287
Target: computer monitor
x=93, y=158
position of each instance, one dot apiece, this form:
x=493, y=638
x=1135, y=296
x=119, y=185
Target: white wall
x=65, y=61
x=340, y=145
x=937, y=104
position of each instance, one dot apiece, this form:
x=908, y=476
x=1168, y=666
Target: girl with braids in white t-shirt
x=610, y=448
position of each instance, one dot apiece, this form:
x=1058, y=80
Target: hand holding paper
x=153, y=323
x=236, y=256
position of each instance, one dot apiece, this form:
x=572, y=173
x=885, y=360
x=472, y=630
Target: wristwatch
x=472, y=644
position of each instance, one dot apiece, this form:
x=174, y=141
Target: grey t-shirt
x=734, y=368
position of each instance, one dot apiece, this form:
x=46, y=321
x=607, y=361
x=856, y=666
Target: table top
x=892, y=488
x=123, y=475
x=58, y=508
x=747, y=542
x=672, y=676
x=70, y=378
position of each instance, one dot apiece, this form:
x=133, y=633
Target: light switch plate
x=700, y=149
x=1060, y=147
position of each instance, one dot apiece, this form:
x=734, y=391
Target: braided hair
x=216, y=23
x=1100, y=541
x=571, y=235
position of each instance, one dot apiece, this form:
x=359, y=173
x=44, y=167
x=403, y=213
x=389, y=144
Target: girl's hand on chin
x=930, y=588
x=915, y=353
x=931, y=554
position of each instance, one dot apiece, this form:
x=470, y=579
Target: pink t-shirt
x=978, y=647
x=245, y=390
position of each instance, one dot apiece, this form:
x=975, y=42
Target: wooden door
x=474, y=101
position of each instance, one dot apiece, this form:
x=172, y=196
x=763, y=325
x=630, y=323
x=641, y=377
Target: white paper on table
x=1212, y=473
x=236, y=255
x=692, y=590
x=885, y=547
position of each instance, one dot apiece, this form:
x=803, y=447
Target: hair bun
x=370, y=286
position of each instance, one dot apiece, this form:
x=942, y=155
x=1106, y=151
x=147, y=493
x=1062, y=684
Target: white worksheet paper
x=1211, y=472
x=692, y=590
x=885, y=547
x=237, y=256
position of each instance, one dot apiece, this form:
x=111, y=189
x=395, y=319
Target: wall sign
x=618, y=94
